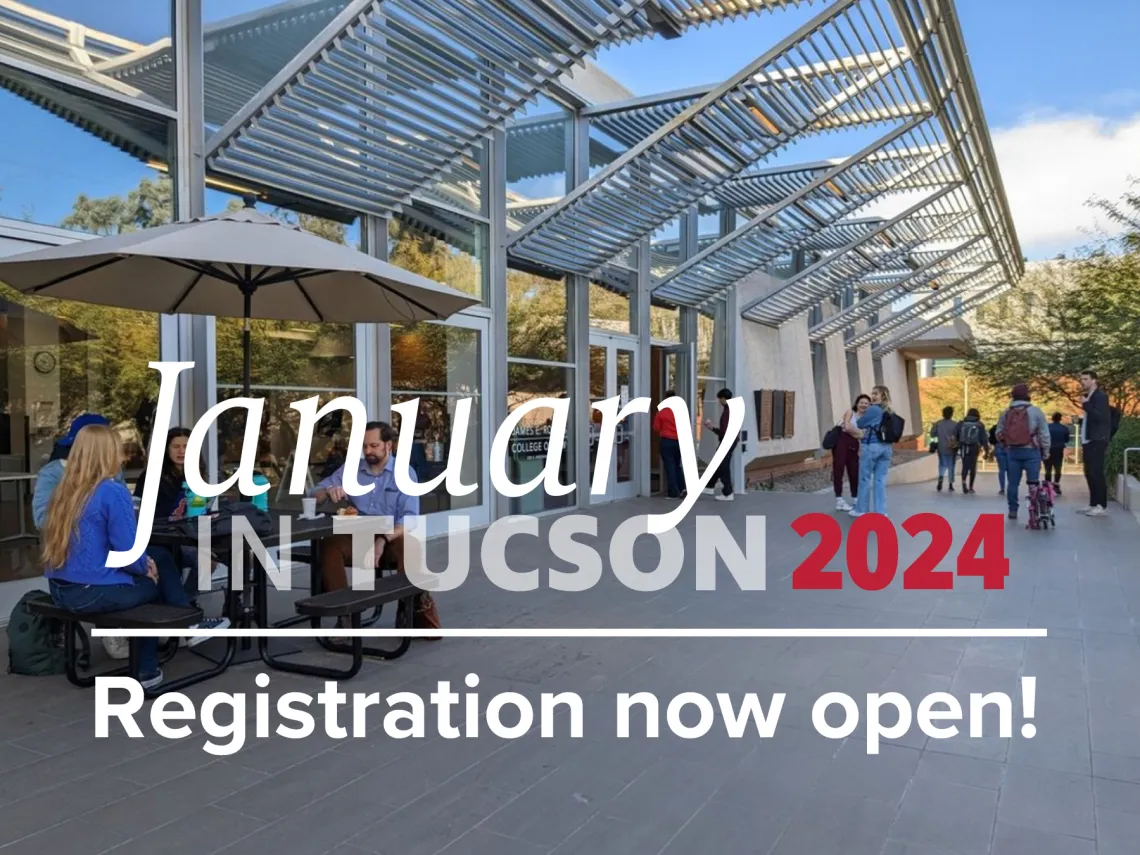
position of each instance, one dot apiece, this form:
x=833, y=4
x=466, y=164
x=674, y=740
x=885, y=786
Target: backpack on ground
x=35, y=642
x=1015, y=430
x=891, y=427
x=1113, y=421
x=970, y=434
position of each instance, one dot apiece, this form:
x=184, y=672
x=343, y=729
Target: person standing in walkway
x=1096, y=430
x=723, y=473
x=845, y=454
x=665, y=426
x=1023, y=431
x=1000, y=458
x=971, y=439
x=946, y=435
x=1058, y=442
x=875, y=455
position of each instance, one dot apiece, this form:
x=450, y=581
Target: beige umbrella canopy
x=241, y=264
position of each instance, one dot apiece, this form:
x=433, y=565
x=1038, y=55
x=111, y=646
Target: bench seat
x=147, y=616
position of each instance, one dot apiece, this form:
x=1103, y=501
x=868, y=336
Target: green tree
x=1067, y=316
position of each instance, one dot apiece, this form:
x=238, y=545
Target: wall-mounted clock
x=44, y=362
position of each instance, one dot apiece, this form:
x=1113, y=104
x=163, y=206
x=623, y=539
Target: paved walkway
x=1073, y=790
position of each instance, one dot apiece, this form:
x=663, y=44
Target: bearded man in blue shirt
x=377, y=467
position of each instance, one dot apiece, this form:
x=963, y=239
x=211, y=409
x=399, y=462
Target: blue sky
x=1065, y=115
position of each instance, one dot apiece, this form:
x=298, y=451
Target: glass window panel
x=443, y=247
x=538, y=317
x=440, y=365
x=609, y=309
x=665, y=323
x=537, y=156
x=529, y=445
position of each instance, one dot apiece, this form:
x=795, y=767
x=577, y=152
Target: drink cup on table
x=309, y=507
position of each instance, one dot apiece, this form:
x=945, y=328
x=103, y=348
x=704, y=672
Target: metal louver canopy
x=969, y=255
x=941, y=318
x=986, y=278
x=906, y=158
x=790, y=90
x=392, y=93
x=944, y=215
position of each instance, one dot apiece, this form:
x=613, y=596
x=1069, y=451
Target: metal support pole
x=191, y=338
x=640, y=297
x=578, y=304
x=374, y=341
x=497, y=374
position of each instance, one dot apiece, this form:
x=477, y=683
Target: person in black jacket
x=1096, y=428
x=1058, y=441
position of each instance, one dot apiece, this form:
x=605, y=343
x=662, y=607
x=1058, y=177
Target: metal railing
x=1125, y=498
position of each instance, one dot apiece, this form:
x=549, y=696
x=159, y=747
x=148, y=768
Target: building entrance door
x=673, y=367
x=613, y=372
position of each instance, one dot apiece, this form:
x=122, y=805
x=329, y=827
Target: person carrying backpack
x=1096, y=431
x=945, y=433
x=1024, y=432
x=881, y=427
x=972, y=438
x=1058, y=441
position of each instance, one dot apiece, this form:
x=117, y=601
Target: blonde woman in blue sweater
x=90, y=515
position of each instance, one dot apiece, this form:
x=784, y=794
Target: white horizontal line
x=586, y=632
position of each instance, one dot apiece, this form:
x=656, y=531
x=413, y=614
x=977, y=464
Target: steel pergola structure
x=370, y=105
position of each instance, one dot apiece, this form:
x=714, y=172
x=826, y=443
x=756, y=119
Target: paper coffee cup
x=309, y=507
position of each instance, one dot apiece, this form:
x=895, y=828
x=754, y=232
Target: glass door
x=613, y=364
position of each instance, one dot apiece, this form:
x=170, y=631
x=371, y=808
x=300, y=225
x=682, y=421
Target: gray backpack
x=35, y=642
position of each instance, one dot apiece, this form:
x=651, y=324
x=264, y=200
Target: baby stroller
x=1041, y=506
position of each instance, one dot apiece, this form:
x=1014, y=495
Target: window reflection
x=441, y=365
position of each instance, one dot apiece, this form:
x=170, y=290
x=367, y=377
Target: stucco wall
x=776, y=358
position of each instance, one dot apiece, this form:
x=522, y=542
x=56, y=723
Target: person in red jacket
x=665, y=426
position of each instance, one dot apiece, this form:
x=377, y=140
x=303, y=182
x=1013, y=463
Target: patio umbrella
x=240, y=264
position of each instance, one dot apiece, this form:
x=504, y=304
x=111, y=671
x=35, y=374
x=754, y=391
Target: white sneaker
x=708, y=491
x=1097, y=511
x=116, y=647
x=720, y=497
x=854, y=513
x=150, y=682
x=207, y=623
x=841, y=504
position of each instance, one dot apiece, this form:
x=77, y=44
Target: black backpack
x=970, y=434
x=35, y=642
x=891, y=427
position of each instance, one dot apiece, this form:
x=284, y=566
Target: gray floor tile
x=1117, y=832
x=1116, y=795
x=479, y=842
x=25, y=817
x=202, y=832
x=1016, y=840
x=953, y=769
x=607, y=835
x=951, y=816
x=1049, y=801
x=74, y=837
x=838, y=825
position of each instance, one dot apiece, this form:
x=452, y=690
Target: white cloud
x=1052, y=166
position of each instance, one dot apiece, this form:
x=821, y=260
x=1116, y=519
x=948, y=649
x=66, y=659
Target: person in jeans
x=972, y=439
x=377, y=469
x=1024, y=432
x=665, y=426
x=1058, y=441
x=1001, y=459
x=724, y=471
x=1096, y=430
x=89, y=516
x=946, y=435
x=875, y=455
x=845, y=455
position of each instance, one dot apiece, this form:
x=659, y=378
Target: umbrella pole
x=246, y=343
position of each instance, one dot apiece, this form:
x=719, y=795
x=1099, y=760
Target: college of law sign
x=529, y=443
